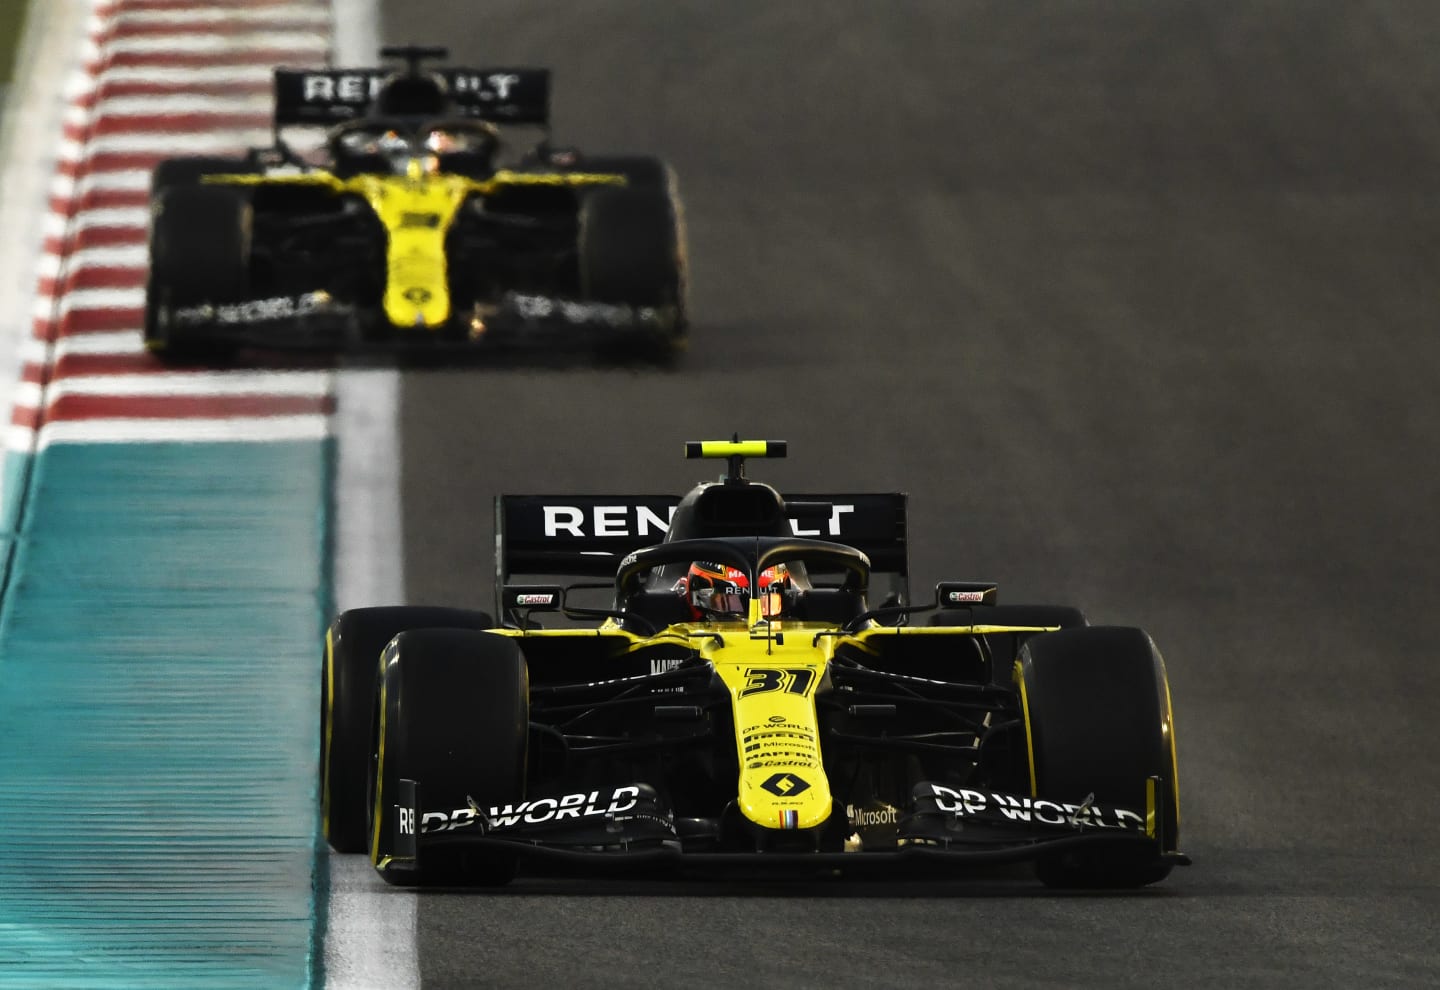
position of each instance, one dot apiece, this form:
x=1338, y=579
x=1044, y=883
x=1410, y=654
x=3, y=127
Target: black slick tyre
x=199, y=254
x=631, y=249
x=454, y=718
x=349, y=678
x=1097, y=709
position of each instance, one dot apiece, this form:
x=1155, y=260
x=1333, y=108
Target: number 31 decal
x=794, y=680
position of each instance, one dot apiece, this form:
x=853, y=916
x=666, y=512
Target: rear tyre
x=350, y=672
x=632, y=252
x=1005, y=647
x=199, y=254
x=455, y=712
x=1097, y=707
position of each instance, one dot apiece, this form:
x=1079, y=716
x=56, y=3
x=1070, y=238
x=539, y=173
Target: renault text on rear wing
x=587, y=535
x=333, y=96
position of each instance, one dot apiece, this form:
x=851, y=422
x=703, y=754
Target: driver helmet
x=399, y=148
x=720, y=590
x=472, y=137
x=394, y=146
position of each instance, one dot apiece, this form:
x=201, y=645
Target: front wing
x=315, y=321
x=628, y=829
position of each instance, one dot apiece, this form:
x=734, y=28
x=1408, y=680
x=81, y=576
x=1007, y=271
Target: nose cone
x=772, y=686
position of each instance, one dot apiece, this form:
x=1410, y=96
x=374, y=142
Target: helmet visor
x=720, y=601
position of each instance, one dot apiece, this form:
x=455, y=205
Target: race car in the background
x=735, y=699
x=417, y=225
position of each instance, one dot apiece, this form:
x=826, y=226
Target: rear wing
x=323, y=97
x=588, y=535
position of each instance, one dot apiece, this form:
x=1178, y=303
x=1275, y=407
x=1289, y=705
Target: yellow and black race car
x=736, y=699
x=417, y=225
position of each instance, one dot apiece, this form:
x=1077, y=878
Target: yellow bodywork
x=417, y=210
x=328, y=723
x=773, y=670
x=772, y=678
x=734, y=448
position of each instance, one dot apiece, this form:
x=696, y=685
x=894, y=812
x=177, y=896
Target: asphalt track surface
x=1138, y=300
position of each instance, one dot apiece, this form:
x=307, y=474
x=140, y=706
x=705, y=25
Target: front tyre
x=1097, y=710
x=199, y=256
x=632, y=252
x=454, y=718
x=349, y=679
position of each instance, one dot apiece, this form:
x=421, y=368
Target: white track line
x=370, y=929
x=300, y=43
x=267, y=17
x=241, y=429
x=194, y=384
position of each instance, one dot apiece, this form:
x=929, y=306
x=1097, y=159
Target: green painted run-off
x=158, y=703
